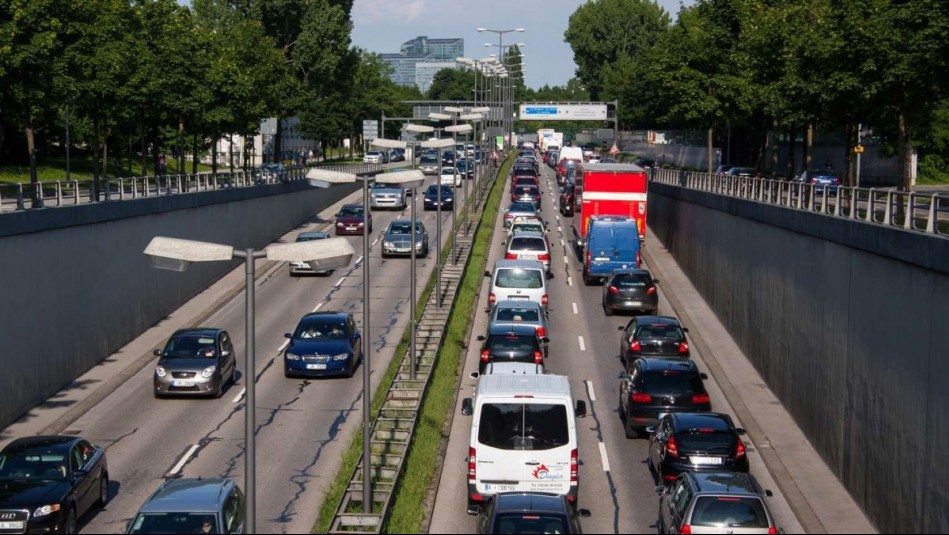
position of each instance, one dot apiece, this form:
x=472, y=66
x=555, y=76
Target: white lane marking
x=283, y=346
x=184, y=459
x=239, y=396
x=340, y=281
x=373, y=244
x=558, y=217
x=358, y=260
x=559, y=228
x=583, y=346
x=562, y=244
x=569, y=281
x=590, y=391
x=317, y=307
x=575, y=309
x=604, y=458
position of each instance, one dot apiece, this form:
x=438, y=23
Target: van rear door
x=626, y=243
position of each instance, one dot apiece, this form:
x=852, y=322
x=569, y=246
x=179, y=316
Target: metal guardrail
x=20, y=196
x=926, y=213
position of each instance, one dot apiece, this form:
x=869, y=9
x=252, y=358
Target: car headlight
x=292, y=356
x=419, y=243
x=160, y=371
x=46, y=510
x=340, y=224
x=341, y=356
x=387, y=244
x=208, y=372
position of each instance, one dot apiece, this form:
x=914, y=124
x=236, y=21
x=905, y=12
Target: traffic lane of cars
x=127, y=417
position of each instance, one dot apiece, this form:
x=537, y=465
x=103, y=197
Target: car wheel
x=231, y=379
x=607, y=310
x=103, y=490
x=629, y=430
x=352, y=369
x=587, y=280
x=157, y=394
x=219, y=391
x=384, y=255
x=70, y=525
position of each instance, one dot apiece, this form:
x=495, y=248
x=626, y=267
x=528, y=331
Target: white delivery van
x=570, y=153
x=523, y=437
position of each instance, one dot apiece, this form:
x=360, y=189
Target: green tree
x=452, y=84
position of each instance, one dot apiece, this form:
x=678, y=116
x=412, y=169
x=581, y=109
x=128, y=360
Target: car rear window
x=660, y=332
x=729, y=512
x=519, y=278
x=526, y=190
x=528, y=244
x=628, y=280
x=670, y=382
x=523, y=426
x=707, y=440
x=429, y=160
x=522, y=207
x=512, y=342
x=526, y=227
x=518, y=314
x=530, y=523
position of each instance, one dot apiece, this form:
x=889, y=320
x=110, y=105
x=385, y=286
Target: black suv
x=566, y=199
x=653, y=336
x=512, y=343
x=652, y=388
x=697, y=442
x=631, y=290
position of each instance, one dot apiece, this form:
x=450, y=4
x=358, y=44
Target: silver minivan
x=518, y=280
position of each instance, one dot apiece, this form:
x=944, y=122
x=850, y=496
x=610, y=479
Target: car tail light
x=740, y=452
x=543, y=257
x=636, y=347
x=684, y=347
x=651, y=290
x=538, y=357
x=589, y=258
x=639, y=258
x=510, y=256
x=543, y=300
x=772, y=531
x=485, y=356
x=472, y=465
x=672, y=448
x=508, y=216
x=492, y=298
x=640, y=398
x=699, y=399
x=574, y=463
x=541, y=332
x=685, y=529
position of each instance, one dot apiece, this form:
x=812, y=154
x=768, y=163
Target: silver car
x=520, y=312
x=386, y=195
x=397, y=239
x=195, y=361
x=429, y=165
x=304, y=268
x=529, y=246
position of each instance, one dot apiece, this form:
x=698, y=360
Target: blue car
x=324, y=344
x=822, y=178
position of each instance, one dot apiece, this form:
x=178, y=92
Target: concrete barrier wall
x=847, y=323
x=77, y=287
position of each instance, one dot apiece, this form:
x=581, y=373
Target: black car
x=432, y=198
x=448, y=158
x=645, y=163
x=48, y=482
x=527, y=193
x=529, y=512
x=695, y=442
x=512, y=343
x=652, y=388
x=566, y=199
x=653, y=336
x=630, y=290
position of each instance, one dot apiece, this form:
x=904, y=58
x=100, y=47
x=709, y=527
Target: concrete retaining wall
x=847, y=322
x=77, y=287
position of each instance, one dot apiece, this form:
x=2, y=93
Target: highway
x=615, y=483
x=303, y=425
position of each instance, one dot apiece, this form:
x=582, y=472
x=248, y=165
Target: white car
x=373, y=157
x=450, y=176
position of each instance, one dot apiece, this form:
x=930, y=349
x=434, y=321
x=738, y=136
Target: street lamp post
x=437, y=144
x=177, y=255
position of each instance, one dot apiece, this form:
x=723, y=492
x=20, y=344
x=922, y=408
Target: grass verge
x=408, y=506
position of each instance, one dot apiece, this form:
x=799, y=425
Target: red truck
x=609, y=189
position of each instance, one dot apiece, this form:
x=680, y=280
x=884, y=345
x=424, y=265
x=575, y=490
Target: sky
x=381, y=26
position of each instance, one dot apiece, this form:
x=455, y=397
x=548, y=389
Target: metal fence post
x=59, y=193
x=19, y=197
x=888, y=212
x=910, y=221
x=933, y=211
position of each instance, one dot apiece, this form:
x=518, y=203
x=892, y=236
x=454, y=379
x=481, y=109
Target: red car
x=351, y=219
x=524, y=180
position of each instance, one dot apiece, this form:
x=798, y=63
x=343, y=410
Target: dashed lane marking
x=604, y=458
x=590, y=391
x=583, y=347
x=575, y=309
x=239, y=396
x=184, y=460
x=340, y=281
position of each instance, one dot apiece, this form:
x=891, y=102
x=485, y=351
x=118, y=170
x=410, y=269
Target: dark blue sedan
x=432, y=197
x=324, y=343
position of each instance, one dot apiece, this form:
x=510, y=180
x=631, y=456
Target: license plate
x=518, y=297
x=601, y=259
x=635, y=303
x=183, y=384
x=11, y=525
x=499, y=488
x=707, y=460
x=350, y=228
x=316, y=366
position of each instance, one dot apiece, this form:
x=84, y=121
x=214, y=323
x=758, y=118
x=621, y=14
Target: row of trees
x=765, y=68
x=152, y=76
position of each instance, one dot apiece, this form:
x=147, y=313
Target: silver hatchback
x=529, y=246
x=511, y=312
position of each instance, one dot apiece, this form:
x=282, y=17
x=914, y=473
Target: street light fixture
x=176, y=254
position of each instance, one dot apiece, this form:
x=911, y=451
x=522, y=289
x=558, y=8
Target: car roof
x=511, y=328
x=724, y=483
x=197, y=331
x=313, y=236
x=188, y=495
x=630, y=271
x=528, y=501
x=524, y=264
x=352, y=205
x=524, y=204
x=531, y=234
x=658, y=320
x=41, y=443
x=703, y=420
x=517, y=303
x=406, y=222
x=331, y=314
x=660, y=364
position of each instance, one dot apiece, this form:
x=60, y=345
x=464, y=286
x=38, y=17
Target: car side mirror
x=481, y=338
x=474, y=510
x=287, y=335
x=651, y=430
x=581, y=410
x=685, y=329
x=660, y=490
x=621, y=328
x=655, y=281
x=704, y=376
x=545, y=340
x=768, y=493
x=474, y=375
x=487, y=273
x=467, y=407
x=157, y=352
x=741, y=431
x=621, y=375
x=584, y=513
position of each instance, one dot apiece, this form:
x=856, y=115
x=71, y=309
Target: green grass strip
x=353, y=454
x=408, y=506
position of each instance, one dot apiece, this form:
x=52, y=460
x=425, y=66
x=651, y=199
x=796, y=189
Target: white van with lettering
x=523, y=437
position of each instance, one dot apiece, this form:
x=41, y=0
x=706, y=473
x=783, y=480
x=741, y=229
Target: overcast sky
x=380, y=26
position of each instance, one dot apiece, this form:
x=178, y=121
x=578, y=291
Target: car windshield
x=429, y=160
x=404, y=227
x=433, y=190
x=321, y=329
x=518, y=314
x=671, y=382
x=524, y=426
x=448, y=171
x=373, y=154
x=707, y=440
x=660, y=332
x=530, y=523
x=522, y=207
x=385, y=185
x=526, y=227
x=519, y=278
x=32, y=466
x=628, y=280
x=175, y=523
x=729, y=512
x=519, y=243
x=351, y=211
x=189, y=347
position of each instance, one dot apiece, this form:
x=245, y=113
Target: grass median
x=408, y=506
x=353, y=454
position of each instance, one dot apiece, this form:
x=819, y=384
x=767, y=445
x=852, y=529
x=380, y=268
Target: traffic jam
x=526, y=446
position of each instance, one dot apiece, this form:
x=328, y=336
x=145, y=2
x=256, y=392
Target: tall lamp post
x=437, y=144
x=500, y=34
x=177, y=255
